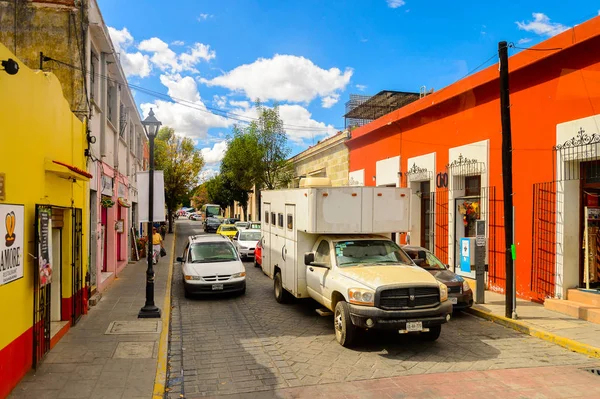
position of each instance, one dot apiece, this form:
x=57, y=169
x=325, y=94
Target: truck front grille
x=408, y=298
x=216, y=278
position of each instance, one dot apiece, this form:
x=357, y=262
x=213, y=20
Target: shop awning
x=123, y=202
x=65, y=170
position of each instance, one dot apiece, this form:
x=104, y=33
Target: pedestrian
x=163, y=229
x=157, y=245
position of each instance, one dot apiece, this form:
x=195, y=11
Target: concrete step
x=579, y=310
x=587, y=297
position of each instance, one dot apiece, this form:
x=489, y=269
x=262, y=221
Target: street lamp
x=150, y=310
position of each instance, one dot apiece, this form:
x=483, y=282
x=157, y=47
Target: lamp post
x=150, y=310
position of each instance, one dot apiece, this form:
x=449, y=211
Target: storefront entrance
x=589, y=225
x=467, y=210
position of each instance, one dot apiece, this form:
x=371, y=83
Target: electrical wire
x=512, y=45
x=480, y=65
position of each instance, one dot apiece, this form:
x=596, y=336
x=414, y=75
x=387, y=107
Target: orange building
x=446, y=146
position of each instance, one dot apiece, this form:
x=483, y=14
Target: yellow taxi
x=227, y=230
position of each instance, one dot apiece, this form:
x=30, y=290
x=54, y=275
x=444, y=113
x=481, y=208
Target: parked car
x=211, y=264
x=241, y=225
x=460, y=293
x=245, y=242
x=227, y=230
x=212, y=225
x=258, y=254
x=254, y=225
x=196, y=216
x=232, y=220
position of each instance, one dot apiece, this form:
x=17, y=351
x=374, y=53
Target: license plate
x=454, y=301
x=414, y=326
x=217, y=287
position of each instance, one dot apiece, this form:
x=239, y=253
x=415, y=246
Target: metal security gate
x=41, y=289
x=77, y=267
x=543, y=255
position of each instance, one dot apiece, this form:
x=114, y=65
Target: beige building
x=328, y=158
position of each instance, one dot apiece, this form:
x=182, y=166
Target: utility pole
x=507, y=176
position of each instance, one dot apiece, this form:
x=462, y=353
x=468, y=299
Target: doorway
x=104, y=239
x=93, y=239
x=426, y=213
x=56, y=291
x=467, y=210
x=590, y=201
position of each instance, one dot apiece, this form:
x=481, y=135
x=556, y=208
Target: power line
x=480, y=65
x=512, y=45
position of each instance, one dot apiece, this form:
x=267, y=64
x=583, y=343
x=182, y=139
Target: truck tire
x=432, y=334
x=281, y=295
x=345, y=331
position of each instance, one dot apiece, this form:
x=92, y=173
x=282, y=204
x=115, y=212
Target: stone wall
x=329, y=158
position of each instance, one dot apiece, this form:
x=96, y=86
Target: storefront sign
x=44, y=255
x=120, y=226
x=107, y=185
x=2, y=189
x=122, y=190
x=11, y=243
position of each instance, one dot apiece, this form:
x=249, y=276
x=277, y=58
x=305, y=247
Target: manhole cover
x=134, y=350
x=134, y=327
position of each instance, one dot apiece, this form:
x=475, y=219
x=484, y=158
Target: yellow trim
x=521, y=327
x=160, y=379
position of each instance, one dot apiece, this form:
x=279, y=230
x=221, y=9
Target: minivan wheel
x=345, y=331
x=281, y=295
x=432, y=334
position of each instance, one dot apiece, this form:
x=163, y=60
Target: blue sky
x=308, y=55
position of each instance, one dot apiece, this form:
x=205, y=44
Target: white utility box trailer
x=308, y=231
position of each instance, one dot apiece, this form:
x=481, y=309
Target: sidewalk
x=110, y=353
x=574, y=334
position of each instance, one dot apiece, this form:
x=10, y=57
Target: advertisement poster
x=11, y=242
x=45, y=245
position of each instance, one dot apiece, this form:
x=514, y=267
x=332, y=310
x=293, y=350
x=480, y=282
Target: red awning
x=74, y=169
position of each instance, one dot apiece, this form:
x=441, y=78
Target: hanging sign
x=44, y=254
x=158, y=208
x=11, y=242
x=107, y=185
x=122, y=190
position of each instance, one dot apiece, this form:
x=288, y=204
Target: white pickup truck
x=332, y=244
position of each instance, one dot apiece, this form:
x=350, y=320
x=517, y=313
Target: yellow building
x=43, y=219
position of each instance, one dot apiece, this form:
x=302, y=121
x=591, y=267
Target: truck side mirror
x=180, y=259
x=309, y=258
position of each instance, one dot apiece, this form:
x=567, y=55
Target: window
x=110, y=94
x=273, y=218
x=93, y=66
x=473, y=186
x=131, y=138
x=266, y=217
x=322, y=255
x=370, y=252
x=290, y=221
x=249, y=236
x=122, y=120
x=185, y=253
x=280, y=220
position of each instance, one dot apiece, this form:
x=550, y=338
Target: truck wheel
x=432, y=334
x=345, y=331
x=281, y=295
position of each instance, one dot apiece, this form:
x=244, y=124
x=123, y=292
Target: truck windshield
x=370, y=252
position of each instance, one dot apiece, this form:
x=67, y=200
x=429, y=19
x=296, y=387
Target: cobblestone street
x=227, y=345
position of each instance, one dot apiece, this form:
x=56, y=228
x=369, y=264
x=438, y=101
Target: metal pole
x=506, y=173
x=150, y=310
x=514, y=265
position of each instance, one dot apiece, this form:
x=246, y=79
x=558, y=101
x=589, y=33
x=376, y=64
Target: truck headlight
x=466, y=286
x=360, y=296
x=240, y=274
x=443, y=292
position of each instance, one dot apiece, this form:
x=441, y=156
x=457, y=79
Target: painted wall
x=36, y=124
x=546, y=89
x=329, y=158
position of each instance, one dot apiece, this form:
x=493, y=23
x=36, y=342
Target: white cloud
x=181, y=88
x=330, y=101
x=215, y=154
x=541, y=25
x=220, y=101
x=395, y=3
x=361, y=87
x=524, y=40
x=240, y=104
x=177, y=43
x=134, y=64
x=204, y=17
x=207, y=174
x=167, y=60
x=283, y=78
x=296, y=115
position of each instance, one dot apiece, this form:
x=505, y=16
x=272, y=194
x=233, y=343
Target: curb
x=567, y=343
x=160, y=379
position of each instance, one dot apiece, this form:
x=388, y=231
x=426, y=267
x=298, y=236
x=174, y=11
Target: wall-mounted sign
x=44, y=242
x=107, y=185
x=441, y=180
x=2, y=188
x=120, y=226
x=11, y=242
x=465, y=255
x=122, y=190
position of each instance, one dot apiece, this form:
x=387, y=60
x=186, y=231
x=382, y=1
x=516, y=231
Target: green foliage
x=181, y=163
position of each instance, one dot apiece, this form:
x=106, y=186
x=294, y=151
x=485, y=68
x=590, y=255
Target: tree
x=181, y=163
x=199, y=196
x=218, y=192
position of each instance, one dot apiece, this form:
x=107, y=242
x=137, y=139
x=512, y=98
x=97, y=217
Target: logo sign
x=44, y=237
x=11, y=243
x=107, y=185
x=441, y=180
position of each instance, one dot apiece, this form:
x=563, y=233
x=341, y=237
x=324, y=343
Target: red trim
x=15, y=362
x=74, y=169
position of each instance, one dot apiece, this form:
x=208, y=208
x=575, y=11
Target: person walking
x=157, y=245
